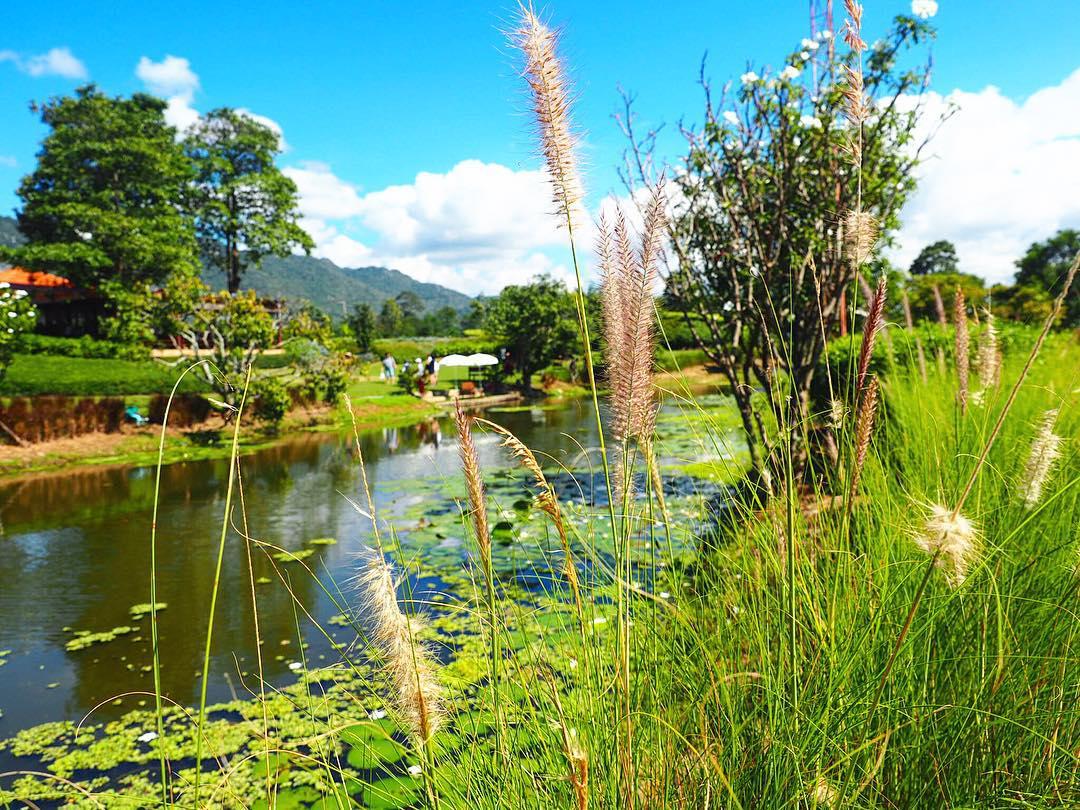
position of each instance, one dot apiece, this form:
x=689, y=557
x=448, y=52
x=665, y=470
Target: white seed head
x=953, y=540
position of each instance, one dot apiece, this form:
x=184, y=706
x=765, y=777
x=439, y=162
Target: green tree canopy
x=102, y=207
x=920, y=290
x=391, y=318
x=244, y=207
x=1045, y=265
x=937, y=257
x=538, y=323
x=362, y=323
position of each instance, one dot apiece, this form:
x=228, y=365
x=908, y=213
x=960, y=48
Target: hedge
x=73, y=376
x=85, y=346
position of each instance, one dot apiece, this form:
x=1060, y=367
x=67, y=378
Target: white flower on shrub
x=790, y=72
x=749, y=77
x=731, y=117
x=21, y=318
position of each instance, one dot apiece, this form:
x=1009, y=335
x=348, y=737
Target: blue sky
x=371, y=95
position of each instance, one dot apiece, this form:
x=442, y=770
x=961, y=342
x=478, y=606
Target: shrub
x=272, y=400
x=31, y=375
x=84, y=346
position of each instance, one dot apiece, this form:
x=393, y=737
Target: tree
x=921, y=297
x=390, y=318
x=229, y=330
x=102, y=207
x=767, y=180
x=1045, y=265
x=412, y=305
x=937, y=257
x=244, y=207
x=538, y=323
x=307, y=322
x=362, y=323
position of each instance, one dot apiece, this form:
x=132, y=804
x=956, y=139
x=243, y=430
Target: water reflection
x=75, y=555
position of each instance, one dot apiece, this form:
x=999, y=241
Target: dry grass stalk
x=576, y=758
x=474, y=485
x=860, y=237
x=875, y=319
x=952, y=540
x=857, y=105
x=864, y=427
x=988, y=356
x=1045, y=451
x=963, y=350
x=551, y=108
x=546, y=500
x=910, y=322
x=837, y=414
x=416, y=694
x=939, y=306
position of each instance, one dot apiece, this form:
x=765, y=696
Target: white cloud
x=54, y=62
x=8, y=161
x=172, y=76
x=997, y=177
x=269, y=123
x=173, y=79
x=476, y=228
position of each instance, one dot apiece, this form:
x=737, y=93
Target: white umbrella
x=452, y=360
x=482, y=360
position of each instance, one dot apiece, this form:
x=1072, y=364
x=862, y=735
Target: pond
x=75, y=556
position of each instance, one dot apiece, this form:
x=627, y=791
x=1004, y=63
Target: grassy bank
x=801, y=654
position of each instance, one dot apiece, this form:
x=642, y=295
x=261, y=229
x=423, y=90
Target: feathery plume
x=823, y=794
x=987, y=356
x=963, y=350
x=875, y=319
x=551, y=108
x=1045, y=450
x=864, y=427
x=546, y=500
x=629, y=330
x=860, y=236
x=417, y=696
x=474, y=485
x=952, y=540
x=837, y=413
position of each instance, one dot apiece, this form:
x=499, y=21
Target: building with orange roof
x=64, y=309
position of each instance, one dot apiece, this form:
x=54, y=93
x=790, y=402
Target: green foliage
x=920, y=290
x=84, y=346
x=272, y=400
x=229, y=330
x=391, y=318
x=1044, y=267
x=362, y=323
x=18, y=316
x=308, y=322
x=537, y=323
x=1029, y=303
x=937, y=257
x=29, y=375
x=102, y=207
x=244, y=207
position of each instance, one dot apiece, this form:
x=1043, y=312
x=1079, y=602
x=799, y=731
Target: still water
x=75, y=555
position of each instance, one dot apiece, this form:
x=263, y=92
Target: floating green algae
x=85, y=638
x=144, y=608
x=293, y=556
x=322, y=541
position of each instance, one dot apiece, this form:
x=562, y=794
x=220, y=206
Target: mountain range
x=319, y=281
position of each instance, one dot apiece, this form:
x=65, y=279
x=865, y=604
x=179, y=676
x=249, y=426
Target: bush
x=272, y=400
x=84, y=346
x=31, y=375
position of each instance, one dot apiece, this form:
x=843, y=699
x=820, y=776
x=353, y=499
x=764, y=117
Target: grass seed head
x=1045, y=451
x=952, y=539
